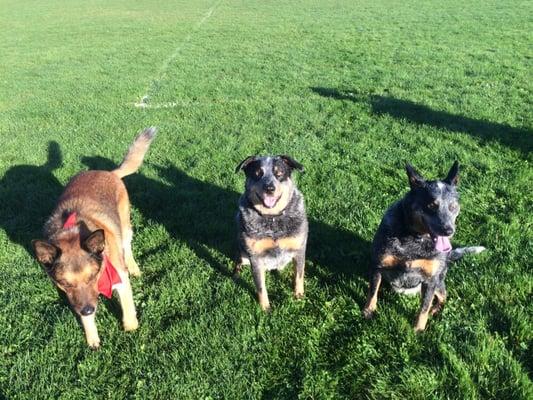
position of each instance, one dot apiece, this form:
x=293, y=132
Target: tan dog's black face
x=74, y=265
x=268, y=182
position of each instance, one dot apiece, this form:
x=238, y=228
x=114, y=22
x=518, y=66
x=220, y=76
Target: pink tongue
x=270, y=201
x=443, y=244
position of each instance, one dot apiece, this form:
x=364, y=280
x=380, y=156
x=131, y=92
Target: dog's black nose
x=87, y=310
x=269, y=187
x=448, y=230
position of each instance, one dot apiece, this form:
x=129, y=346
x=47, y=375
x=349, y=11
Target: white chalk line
x=164, y=67
x=183, y=103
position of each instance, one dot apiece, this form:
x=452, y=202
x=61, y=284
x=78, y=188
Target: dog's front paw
x=130, y=324
x=419, y=329
x=298, y=295
x=133, y=269
x=93, y=342
x=369, y=313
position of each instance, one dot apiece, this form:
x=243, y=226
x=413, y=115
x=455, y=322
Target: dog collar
x=109, y=279
x=443, y=244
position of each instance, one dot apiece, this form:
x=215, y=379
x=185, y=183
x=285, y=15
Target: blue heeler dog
x=272, y=224
x=412, y=249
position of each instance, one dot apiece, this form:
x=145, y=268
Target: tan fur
x=428, y=267
x=298, y=283
x=134, y=158
x=91, y=332
x=258, y=246
x=100, y=201
x=421, y=321
x=441, y=299
x=291, y=242
x=372, y=301
x=389, y=261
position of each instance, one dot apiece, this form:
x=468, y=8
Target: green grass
x=352, y=89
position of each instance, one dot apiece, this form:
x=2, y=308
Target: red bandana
x=109, y=279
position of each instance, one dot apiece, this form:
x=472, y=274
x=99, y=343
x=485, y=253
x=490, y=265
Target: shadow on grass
x=514, y=138
x=203, y=216
x=28, y=193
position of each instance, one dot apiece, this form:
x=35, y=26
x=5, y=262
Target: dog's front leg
x=258, y=272
x=129, y=315
x=428, y=293
x=373, y=289
x=299, y=271
x=91, y=332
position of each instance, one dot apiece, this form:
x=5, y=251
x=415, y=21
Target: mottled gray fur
x=272, y=223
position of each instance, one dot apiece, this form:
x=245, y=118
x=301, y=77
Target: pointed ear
x=95, y=243
x=453, y=175
x=45, y=252
x=415, y=179
x=291, y=162
x=244, y=163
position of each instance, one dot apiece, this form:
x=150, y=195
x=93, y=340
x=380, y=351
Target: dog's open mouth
x=442, y=243
x=269, y=200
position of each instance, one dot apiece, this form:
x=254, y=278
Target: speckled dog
x=271, y=221
x=412, y=249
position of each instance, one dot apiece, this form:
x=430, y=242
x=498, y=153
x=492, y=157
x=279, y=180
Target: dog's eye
x=434, y=205
x=259, y=173
x=64, y=284
x=278, y=173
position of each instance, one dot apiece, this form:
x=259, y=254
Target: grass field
x=353, y=90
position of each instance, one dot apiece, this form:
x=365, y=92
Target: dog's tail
x=458, y=253
x=134, y=158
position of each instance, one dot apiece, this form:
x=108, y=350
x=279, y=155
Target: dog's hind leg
x=241, y=260
x=299, y=271
x=127, y=235
x=373, y=289
x=440, y=297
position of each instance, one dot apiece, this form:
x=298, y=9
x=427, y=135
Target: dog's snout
x=87, y=310
x=269, y=187
x=448, y=230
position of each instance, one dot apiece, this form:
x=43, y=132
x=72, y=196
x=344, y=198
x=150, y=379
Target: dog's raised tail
x=135, y=155
x=459, y=252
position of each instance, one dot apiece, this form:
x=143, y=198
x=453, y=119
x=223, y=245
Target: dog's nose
x=269, y=187
x=87, y=310
x=448, y=230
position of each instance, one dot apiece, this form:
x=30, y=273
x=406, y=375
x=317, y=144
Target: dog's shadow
x=202, y=215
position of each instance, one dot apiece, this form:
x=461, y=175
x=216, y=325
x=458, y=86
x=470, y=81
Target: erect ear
x=244, y=163
x=45, y=252
x=291, y=162
x=453, y=175
x=415, y=179
x=95, y=242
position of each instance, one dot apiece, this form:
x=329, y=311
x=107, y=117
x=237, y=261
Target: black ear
x=45, y=252
x=415, y=179
x=95, y=243
x=244, y=163
x=453, y=175
x=291, y=162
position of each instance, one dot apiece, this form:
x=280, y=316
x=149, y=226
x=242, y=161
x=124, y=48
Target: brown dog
x=87, y=250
